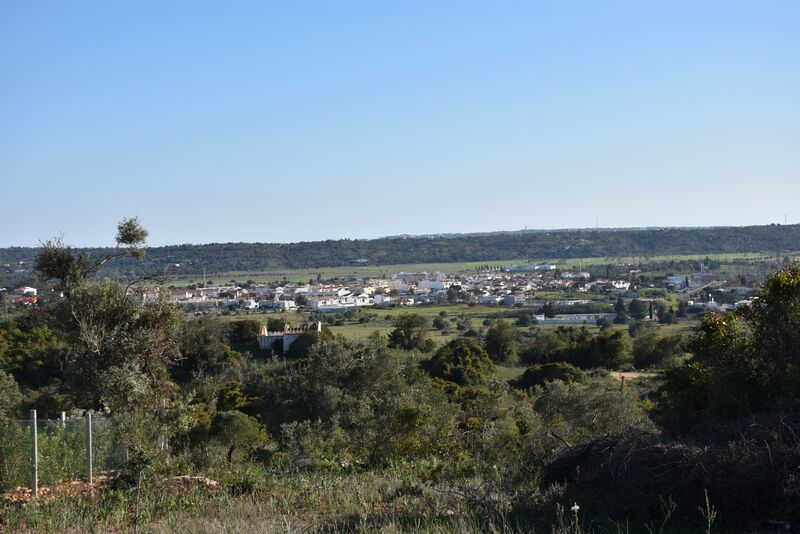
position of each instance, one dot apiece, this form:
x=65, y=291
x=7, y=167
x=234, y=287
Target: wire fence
x=43, y=452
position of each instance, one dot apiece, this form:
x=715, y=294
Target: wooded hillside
x=223, y=257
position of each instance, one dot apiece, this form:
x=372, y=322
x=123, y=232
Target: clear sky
x=296, y=120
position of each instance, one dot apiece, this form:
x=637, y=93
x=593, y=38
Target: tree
x=119, y=350
x=774, y=320
x=10, y=397
x=537, y=375
x=204, y=348
x=653, y=350
x=70, y=270
x=31, y=351
x=454, y=294
x=301, y=346
x=603, y=323
x=410, y=333
x=237, y=431
x=461, y=361
x=637, y=309
x=525, y=319
x=742, y=362
x=356, y=400
x=611, y=350
x=275, y=325
x=245, y=331
x=622, y=315
x=501, y=342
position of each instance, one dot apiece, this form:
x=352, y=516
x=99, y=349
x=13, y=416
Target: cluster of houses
x=224, y=296
x=514, y=285
x=510, y=287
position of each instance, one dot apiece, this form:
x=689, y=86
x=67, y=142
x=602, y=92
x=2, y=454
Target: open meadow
x=457, y=268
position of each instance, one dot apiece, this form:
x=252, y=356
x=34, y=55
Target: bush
x=746, y=481
x=501, y=342
x=461, y=361
x=410, y=332
x=238, y=431
x=245, y=331
x=609, y=349
x=584, y=410
x=301, y=346
x=10, y=397
x=652, y=350
x=536, y=375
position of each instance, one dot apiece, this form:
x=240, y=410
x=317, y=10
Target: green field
x=381, y=320
x=380, y=271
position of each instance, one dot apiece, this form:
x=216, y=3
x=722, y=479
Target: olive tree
x=119, y=349
x=410, y=333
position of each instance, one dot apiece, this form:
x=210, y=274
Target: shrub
x=536, y=375
x=410, y=332
x=461, y=361
x=238, y=431
x=652, y=350
x=10, y=397
x=583, y=410
x=501, y=342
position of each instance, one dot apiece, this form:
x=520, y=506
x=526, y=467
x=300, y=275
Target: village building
x=282, y=340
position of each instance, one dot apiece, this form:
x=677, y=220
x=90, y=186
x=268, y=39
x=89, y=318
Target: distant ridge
x=443, y=248
x=551, y=230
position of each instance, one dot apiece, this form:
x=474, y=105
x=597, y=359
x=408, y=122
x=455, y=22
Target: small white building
x=26, y=291
x=382, y=299
x=249, y=304
x=284, y=339
x=278, y=304
x=575, y=318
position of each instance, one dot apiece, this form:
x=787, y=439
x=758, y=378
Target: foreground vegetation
x=393, y=431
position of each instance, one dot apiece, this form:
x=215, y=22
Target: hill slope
x=220, y=257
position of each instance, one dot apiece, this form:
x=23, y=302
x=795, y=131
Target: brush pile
x=756, y=476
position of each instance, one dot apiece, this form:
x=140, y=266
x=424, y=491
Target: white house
x=432, y=284
x=382, y=299
x=278, y=304
x=249, y=304
x=575, y=318
x=284, y=339
x=26, y=291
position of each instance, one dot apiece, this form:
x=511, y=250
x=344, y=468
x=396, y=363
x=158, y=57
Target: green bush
x=462, y=361
x=536, y=375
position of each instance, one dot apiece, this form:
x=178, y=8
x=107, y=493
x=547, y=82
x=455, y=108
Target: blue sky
x=289, y=121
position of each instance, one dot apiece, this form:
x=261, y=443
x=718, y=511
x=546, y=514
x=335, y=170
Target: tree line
x=225, y=257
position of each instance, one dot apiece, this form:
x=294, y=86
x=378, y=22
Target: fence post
x=89, y=448
x=34, y=455
x=63, y=435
